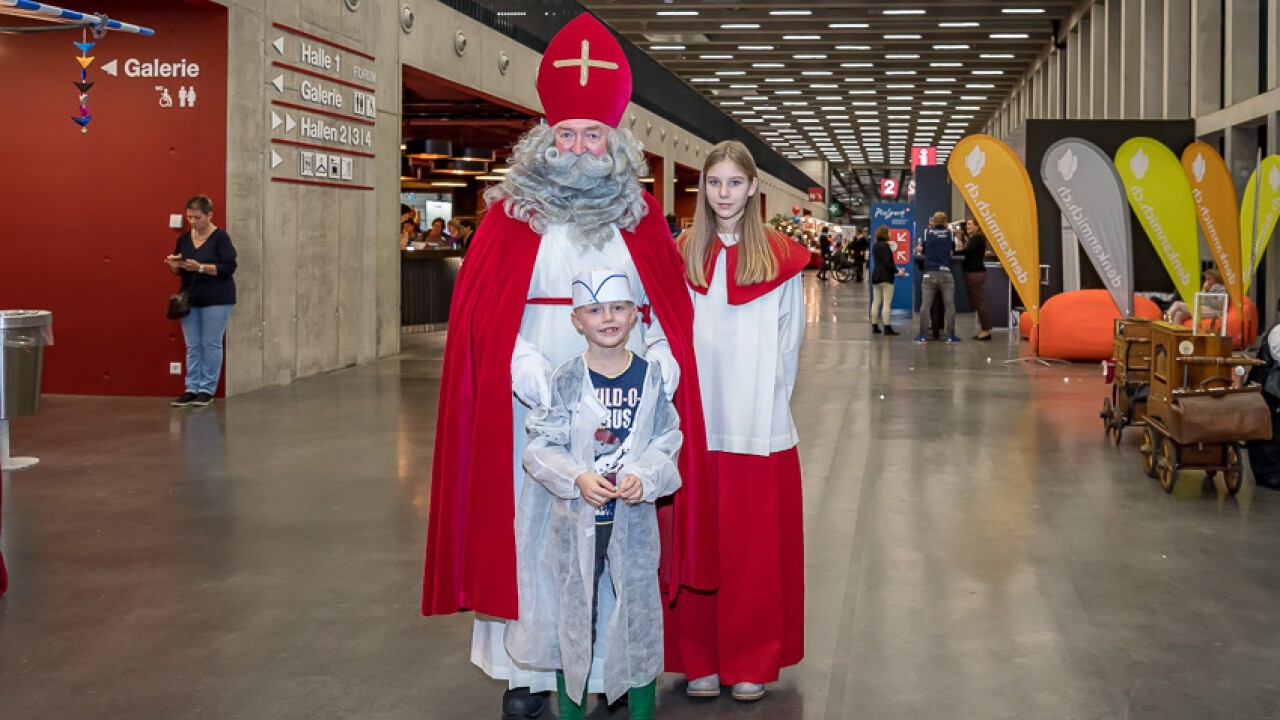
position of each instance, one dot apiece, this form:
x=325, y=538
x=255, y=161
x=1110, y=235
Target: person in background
x=205, y=259
x=935, y=249
x=408, y=226
x=436, y=237
x=466, y=226
x=824, y=249
x=1179, y=313
x=860, y=246
x=883, y=274
x=748, y=303
x=975, y=275
x=673, y=224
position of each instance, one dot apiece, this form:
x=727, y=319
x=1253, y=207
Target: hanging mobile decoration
x=85, y=60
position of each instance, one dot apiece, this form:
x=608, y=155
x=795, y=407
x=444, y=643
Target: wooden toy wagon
x=1199, y=409
x=1129, y=374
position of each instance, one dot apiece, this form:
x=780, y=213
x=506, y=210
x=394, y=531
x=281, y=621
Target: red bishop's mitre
x=584, y=74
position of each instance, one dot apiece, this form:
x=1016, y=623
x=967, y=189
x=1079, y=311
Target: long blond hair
x=756, y=260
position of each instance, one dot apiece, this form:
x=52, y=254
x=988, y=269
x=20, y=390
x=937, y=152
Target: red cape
x=792, y=258
x=471, y=554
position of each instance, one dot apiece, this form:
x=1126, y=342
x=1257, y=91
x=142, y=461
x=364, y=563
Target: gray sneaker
x=702, y=687
x=748, y=692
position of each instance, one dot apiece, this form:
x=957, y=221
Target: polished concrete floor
x=975, y=550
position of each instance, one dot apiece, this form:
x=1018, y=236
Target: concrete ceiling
x=856, y=84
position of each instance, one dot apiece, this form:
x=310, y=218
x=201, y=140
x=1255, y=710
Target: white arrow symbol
x=278, y=44
x=278, y=83
x=275, y=120
x=275, y=159
x=289, y=124
x=110, y=68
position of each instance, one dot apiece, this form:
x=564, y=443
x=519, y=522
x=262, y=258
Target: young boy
x=587, y=564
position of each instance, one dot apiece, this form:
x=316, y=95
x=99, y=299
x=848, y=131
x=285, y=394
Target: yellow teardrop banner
x=1269, y=195
x=1215, y=197
x=998, y=191
x=1160, y=196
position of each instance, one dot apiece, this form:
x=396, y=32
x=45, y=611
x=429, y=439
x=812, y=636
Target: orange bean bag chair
x=1077, y=325
x=1238, y=339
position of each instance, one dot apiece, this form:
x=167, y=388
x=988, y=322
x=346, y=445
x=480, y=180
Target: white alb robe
x=747, y=356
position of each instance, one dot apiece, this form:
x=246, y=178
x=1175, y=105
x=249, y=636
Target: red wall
x=84, y=217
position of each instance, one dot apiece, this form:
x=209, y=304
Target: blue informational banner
x=900, y=219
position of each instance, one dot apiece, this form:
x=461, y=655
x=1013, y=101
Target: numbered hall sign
x=888, y=188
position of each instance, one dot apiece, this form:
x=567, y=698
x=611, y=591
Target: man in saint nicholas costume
x=571, y=201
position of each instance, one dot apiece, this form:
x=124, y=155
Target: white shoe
x=702, y=687
x=748, y=692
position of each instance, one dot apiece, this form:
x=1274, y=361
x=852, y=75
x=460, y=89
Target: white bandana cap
x=601, y=285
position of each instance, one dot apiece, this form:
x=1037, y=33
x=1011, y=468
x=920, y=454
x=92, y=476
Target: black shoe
x=201, y=400
x=889, y=330
x=875, y=328
x=520, y=704
x=184, y=399
x=981, y=337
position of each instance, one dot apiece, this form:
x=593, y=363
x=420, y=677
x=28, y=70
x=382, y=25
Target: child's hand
x=595, y=489
x=631, y=490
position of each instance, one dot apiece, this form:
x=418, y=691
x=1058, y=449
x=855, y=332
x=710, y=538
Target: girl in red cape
x=749, y=320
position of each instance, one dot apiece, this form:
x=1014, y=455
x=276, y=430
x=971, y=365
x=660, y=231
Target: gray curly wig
x=592, y=194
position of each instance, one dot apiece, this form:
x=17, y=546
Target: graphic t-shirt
x=620, y=396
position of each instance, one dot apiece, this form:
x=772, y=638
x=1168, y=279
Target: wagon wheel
x=844, y=274
x=1231, y=475
x=1117, y=429
x=1167, y=464
x=1148, y=450
x=1108, y=414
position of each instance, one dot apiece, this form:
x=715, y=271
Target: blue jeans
x=203, y=330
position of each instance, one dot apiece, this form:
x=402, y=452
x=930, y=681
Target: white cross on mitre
x=585, y=63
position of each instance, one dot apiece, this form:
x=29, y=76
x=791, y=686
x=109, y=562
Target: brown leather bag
x=1220, y=417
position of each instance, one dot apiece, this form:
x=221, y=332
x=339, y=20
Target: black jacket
x=975, y=252
x=883, y=270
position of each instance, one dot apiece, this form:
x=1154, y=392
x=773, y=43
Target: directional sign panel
x=323, y=110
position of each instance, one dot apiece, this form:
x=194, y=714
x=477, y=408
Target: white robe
x=548, y=328
x=747, y=357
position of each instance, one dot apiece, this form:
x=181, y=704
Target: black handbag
x=179, y=305
x=180, y=302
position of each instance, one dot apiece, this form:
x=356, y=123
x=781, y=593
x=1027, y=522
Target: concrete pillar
x=1150, y=65
x=1177, y=59
x=1041, y=109
x=1114, y=74
x=1058, y=84
x=1206, y=57
x=1241, y=52
x=1240, y=150
x=1084, y=75
x=1130, y=36
x=1098, y=62
x=1274, y=48
x=1049, y=86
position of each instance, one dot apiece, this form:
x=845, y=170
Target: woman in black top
x=883, y=273
x=205, y=259
x=975, y=275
